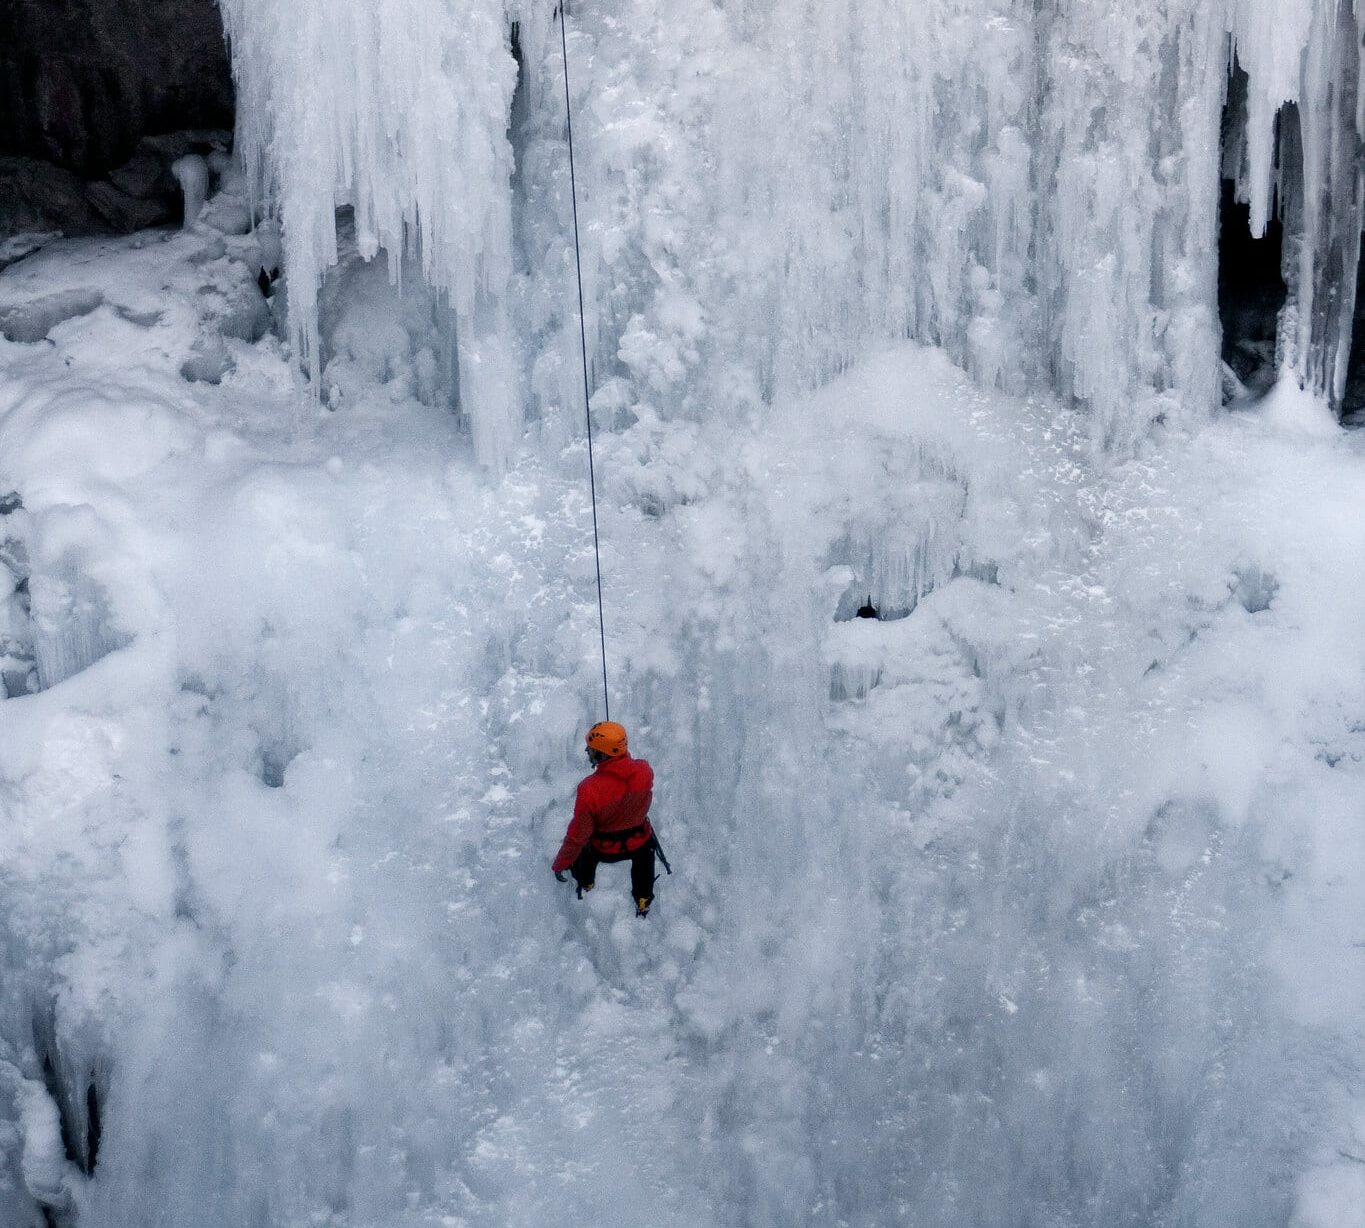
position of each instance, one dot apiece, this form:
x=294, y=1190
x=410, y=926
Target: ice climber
x=611, y=817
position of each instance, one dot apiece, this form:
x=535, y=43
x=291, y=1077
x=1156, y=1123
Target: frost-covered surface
x=1039, y=902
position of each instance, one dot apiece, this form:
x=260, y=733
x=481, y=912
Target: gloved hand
x=559, y=877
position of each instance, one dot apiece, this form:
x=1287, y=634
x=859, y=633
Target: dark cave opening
x=1251, y=286
x=1258, y=277
x=80, y=1116
x=1251, y=292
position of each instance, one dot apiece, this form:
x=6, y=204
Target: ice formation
x=399, y=110
x=192, y=174
x=1035, y=188
x=1302, y=127
x=1034, y=901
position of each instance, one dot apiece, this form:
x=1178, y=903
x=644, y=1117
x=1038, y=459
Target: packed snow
x=1037, y=900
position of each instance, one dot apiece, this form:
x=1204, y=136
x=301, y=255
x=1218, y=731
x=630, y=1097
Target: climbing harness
x=583, y=347
x=621, y=839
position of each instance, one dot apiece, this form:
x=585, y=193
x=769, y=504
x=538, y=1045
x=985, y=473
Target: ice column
x=1330, y=252
x=192, y=174
x=1306, y=52
x=1033, y=187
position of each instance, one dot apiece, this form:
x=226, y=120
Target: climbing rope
x=583, y=346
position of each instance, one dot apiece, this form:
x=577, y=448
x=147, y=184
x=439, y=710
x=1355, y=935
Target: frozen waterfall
x=1032, y=187
x=1034, y=902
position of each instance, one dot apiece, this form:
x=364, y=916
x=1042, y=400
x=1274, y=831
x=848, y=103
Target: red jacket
x=615, y=798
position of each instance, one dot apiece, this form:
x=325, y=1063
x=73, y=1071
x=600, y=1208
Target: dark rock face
x=84, y=84
x=81, y=81
x=39, y=196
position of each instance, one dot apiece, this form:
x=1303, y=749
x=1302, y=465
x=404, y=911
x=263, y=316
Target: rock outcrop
x=83, y=83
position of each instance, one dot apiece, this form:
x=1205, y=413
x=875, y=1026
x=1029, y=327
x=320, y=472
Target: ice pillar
x=1308, y=55
x=1332, y=218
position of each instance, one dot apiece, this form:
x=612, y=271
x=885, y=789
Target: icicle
x=1269, y=42
x=192, y=174
x=1307, y=53
x=1332, y=200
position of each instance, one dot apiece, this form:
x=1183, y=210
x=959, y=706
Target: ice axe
x=659, y=851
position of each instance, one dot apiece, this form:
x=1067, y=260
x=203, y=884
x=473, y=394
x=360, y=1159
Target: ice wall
x=766, y=187
x=1031, y=187
x=1031, y=906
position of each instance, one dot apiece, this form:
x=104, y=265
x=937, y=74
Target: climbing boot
x=642, y=905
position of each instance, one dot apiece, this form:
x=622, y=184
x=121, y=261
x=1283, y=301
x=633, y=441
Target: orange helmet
x=607, y=738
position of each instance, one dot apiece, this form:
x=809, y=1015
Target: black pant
x=584, y=869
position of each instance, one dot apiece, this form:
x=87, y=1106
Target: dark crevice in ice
x=276, y=750
x=54, y=1089
x=1254, y=589
x=1251, y=286
x=78, y=1100
x=273, y=765
x=93, y=1126
x=853, y=606
x=519, y=136
x=1251, y=293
